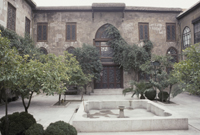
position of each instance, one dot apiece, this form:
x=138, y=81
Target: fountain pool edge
x=83, y=124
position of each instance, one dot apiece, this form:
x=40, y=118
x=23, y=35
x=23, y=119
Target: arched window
x=101, y=32
x=186, y=37
x=101, y=43
x=70, y=50
x=174, y=54
x=43, y=50
x=112, y=74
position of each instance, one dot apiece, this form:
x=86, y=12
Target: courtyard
x=111, y=56
x=44, y=112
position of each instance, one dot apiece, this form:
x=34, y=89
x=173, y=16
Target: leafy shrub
x=163, y=94
x=150, y=94
x=130, y=57
x=140, y=88
x=35, y=129
x=89, y=60
x=17, y=123
x=60, y=128
x=24, y=45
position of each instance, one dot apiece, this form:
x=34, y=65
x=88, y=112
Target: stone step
x=107, y=92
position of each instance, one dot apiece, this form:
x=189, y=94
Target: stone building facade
x=88, y=21
x=57, y=29
x=189, y=22
x=17, y=15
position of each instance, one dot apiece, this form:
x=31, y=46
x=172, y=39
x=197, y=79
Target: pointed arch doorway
x=112, y=74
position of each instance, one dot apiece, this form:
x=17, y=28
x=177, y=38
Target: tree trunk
x=6, y=113
x=85, y=86
x=1, y=92
x=24, y=104
x=136, y=76
x=0, y=95
x=170, y=89
x=59, y=99
x=29, y=102
x=81, y=96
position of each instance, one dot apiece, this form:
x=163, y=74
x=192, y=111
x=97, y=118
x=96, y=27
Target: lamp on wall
x=155, y=63
x=101, y=73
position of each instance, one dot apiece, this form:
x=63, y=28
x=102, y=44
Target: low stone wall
x=165, y=119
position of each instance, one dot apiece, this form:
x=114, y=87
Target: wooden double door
x=111, y=78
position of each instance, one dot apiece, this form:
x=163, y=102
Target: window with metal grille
x=101, y=43
x=174, y=57
x=42, y=32
x=197, y=32
x=11, y=19
x=102, y=32
x=71, y=32
x=186, y=37
x=143, y=31
x=27, y=25
x=171, y=32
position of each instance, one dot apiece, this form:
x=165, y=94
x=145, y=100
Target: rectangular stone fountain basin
x=162, y=118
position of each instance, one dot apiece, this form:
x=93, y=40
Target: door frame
x=109, y=64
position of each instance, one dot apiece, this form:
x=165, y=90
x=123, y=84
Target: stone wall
x=87, y=27
x=23, y=9
x=187, y=21
x=88, y=24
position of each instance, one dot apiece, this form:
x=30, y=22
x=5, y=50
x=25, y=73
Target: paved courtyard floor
x=44, y=112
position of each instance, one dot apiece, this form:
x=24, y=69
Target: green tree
x=130, y=57
x=77, y=77
x=158, y=75
x=9, y=62
x=30, y=77
x=24, y=45
x=60, y=72
x=89, y=60
x=56, y=71
x=188, y=71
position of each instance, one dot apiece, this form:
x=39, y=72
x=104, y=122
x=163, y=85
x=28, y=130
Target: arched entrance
x=112, y=75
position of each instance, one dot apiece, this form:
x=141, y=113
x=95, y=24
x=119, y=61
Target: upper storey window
x=42, y=32
x=101, y=43
x=27, y=25
x=171, y=32
x=186, y=37
x=174, y=54
x=71, y=32
x=143, y=31
x=11, y=19
x=197, y=32
x=102, y=32
x=174, y=57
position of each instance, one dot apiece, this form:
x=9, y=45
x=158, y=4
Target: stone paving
x=44, y=112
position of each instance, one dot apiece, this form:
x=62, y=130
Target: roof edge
x=63, y=8
x=107, y=8
x=153, y=9
x=31, y=3
x=191, y=9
